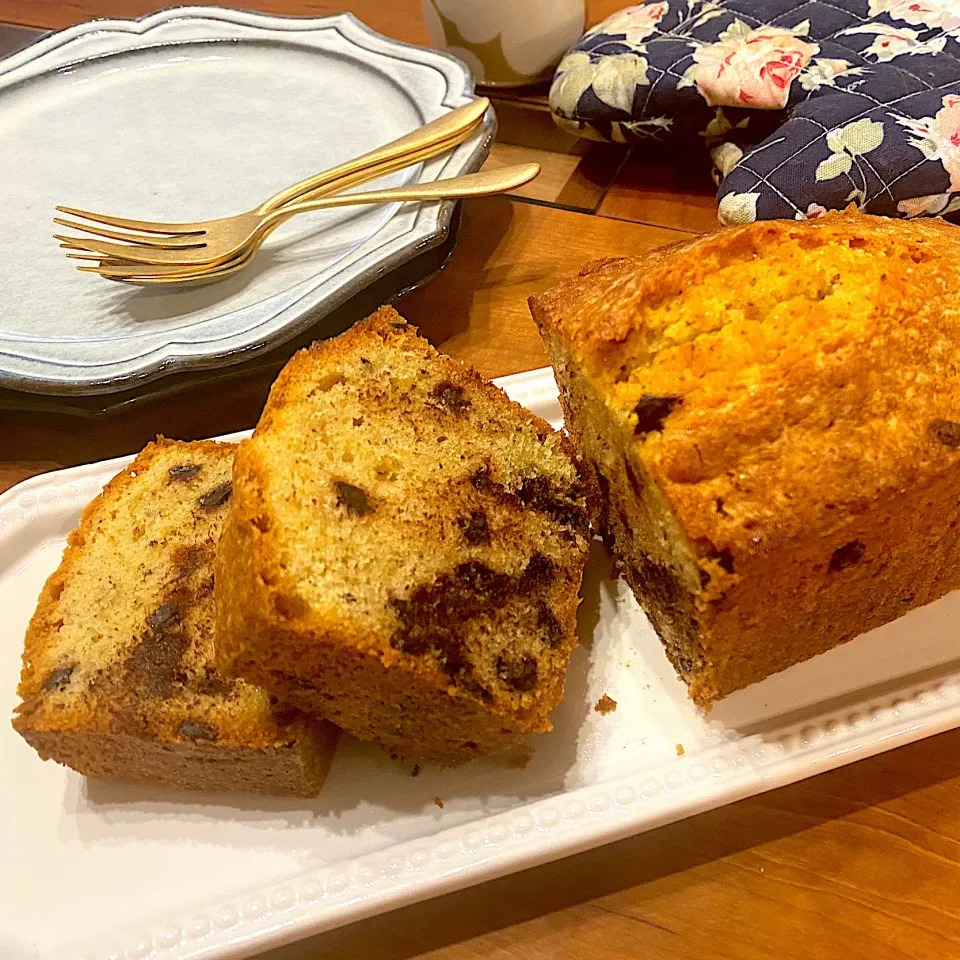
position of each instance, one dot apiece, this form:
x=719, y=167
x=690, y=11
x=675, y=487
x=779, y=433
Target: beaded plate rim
x=531, y=833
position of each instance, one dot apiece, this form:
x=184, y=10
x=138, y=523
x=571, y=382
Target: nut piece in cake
x=403, y=549
x=119, y=680
x=769, y=421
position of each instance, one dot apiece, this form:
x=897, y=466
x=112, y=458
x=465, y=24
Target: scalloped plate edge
x=431, y=226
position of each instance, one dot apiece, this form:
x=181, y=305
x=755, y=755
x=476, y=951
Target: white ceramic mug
x=506, y=43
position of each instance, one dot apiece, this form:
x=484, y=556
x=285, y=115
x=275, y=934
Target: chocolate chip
x=153, y=664
x=59, y=679
x=482, y=481
x=475, y=528
x=548, y=625
x=539, y=571
x=652, y=411
x=166, y=613
x=450, y=396
x=479, y=578
x=353, y=498
x=534, y=489
x=186, y=471
x=946, y=432
x=433, y=617
x=535, y=492
x=216, y=497
x=847, y=555
x=194, y=730
x=358, y=421
x=452, y=658
x=477, y=689
x=520, y=675
x=415, y=639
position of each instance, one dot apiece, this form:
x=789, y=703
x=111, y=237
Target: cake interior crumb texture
x=118, y=676
x=769, y=422
x=404, y=549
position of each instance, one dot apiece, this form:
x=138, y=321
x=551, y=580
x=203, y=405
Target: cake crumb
x=680, y=750
x=438, y=802
x=416, y=770
x=605, y=705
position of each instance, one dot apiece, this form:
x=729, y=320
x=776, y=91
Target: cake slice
x=118, y=674
x=769, y=418
x=403, y=550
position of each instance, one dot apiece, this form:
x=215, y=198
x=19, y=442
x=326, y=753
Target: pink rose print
x=892, y=42
x=944, y=14
x=750, y=68
x=636, y=22
x=938, y=137
x=814, y=212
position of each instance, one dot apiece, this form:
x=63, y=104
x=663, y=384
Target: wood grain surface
x=863, y=862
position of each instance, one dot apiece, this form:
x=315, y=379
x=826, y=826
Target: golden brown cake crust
x=314, y=592
x=118, y=677
x=783, y=398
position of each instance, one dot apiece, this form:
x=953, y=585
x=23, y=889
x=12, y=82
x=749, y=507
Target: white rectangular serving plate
x=95, y=870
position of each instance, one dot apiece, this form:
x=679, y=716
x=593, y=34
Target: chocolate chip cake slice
x=769, y=417
x=118, y=674
x=404, y=549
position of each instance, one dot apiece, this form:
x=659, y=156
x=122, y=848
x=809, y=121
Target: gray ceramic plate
x=194, y=113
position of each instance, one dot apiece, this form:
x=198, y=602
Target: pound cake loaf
x=403, y=550
x=118, y=675
x=769, y=420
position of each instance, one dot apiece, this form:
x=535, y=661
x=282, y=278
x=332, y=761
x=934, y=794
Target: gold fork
x=472, y=185
x=204, y=242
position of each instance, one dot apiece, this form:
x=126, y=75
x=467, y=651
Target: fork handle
x=438, y=136
x=480, y=184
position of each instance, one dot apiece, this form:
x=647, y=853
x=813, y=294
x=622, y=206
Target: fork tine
x=68, y=243
x=100, y=272
x=85, y=256
x=120, y=251
x=146, y=226
x=117, y=269
x=143, y=240
x=147, y=274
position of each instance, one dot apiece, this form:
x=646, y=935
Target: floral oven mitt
x=805, y=106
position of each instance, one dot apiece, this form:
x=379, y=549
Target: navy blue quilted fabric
x=805, y=106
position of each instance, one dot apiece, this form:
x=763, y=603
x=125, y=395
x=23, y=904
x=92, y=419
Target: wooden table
x=863, y=862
